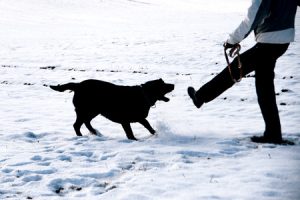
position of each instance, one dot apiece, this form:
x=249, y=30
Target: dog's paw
x=98, y=133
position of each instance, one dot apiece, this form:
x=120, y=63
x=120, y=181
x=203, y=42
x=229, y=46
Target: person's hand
x=234, y=48
x=227, y=45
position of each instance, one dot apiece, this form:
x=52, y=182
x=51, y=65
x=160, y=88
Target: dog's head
x=157, y=89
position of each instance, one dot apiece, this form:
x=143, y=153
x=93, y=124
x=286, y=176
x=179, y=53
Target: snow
x=197, y=154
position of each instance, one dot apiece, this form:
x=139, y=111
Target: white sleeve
x=246, y=26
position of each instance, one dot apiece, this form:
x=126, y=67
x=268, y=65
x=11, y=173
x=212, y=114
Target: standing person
x=273, y=23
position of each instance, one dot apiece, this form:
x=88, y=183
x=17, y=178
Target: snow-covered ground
x=197, y=154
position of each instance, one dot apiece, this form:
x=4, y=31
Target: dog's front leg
x=146, y=124
x=128, y=131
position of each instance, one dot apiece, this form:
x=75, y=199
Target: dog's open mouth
x=165, y=99
x=169, y=88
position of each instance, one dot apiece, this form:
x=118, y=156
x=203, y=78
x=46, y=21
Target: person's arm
x=256, y=13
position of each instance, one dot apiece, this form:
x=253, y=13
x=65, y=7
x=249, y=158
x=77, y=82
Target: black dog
x=121, y=104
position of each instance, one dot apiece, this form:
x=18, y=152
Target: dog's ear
x=161, y=81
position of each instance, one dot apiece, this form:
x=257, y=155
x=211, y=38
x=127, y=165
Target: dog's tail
x=61, y=88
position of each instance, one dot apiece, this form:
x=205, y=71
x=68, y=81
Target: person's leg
x=264, y=80
x=223, y=80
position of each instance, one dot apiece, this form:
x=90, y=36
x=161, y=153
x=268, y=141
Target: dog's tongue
x=165, y=99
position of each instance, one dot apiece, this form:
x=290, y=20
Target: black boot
x=196, y=100
x=264, y=139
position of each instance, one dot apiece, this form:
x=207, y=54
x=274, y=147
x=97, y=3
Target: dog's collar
x=146, y=97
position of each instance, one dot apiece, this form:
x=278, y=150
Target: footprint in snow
x=87, y=154
x=32, y=178
x=36, y=158
x=39, y=160
x=64, y=158
x=21, y=173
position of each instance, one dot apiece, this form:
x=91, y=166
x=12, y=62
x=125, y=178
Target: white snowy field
x=197, y=154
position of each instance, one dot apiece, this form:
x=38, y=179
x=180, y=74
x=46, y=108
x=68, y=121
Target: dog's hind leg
x=90, y=128
x=88, y=116
x=146, y=124
x=128, y=131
